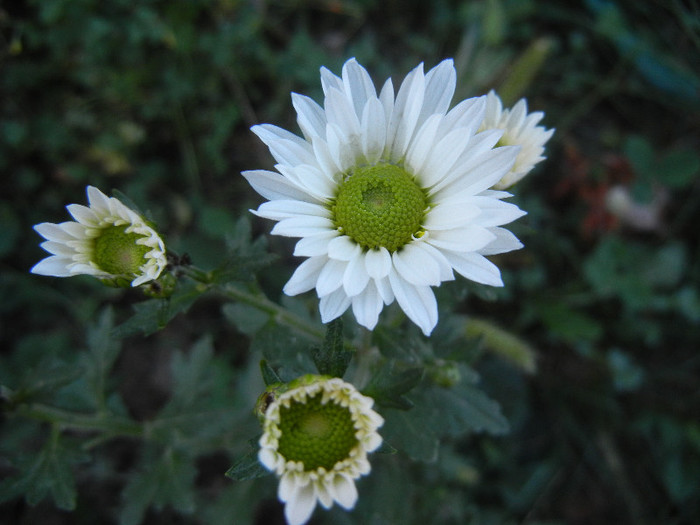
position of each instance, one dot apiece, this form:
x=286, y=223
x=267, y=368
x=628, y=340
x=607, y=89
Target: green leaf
x=191, y=376
x=103, y=351
x=50, y=472
x=247, y=319
x=333, y=357
x=247, y=467
x=408, y=432
x=154, y=314
x=388, y=386
x=269, y=375
x=464, y=408
x=169, y=481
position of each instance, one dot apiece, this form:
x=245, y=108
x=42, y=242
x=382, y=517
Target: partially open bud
x=316, y=437
x=107, y=240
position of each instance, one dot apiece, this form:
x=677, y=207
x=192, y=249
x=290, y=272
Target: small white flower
x=107, y=240
x=519, y=129
x=389, y=193
x=316, y=437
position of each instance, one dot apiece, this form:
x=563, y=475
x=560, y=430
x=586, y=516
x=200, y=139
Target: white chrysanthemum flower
x=389, y=193
x=316, y=437
x=519, y=129
x=107, y=240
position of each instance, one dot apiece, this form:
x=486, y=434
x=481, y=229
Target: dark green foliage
x=335, y=355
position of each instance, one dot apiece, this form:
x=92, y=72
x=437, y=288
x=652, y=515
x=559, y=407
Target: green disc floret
x=117, y=253
x=315, y=434
x=380, y=205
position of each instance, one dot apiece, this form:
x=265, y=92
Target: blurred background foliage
x=155, y=98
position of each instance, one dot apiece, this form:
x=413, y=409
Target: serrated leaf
x=190, y=376
x=333, y=357
x=247, y=319
x=167, y=482
x=49, y=474
x=154, y=314
x=269, y=375
x=247, y=467
x=407, y=431
x=388, y=386
x=464, y=408
x=103, y=351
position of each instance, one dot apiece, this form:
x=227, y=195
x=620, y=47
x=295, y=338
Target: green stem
x=280, y=314
x=87, y=422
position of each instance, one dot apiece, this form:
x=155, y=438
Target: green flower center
x=315, y=434
x=117, y=253
x=380, y=205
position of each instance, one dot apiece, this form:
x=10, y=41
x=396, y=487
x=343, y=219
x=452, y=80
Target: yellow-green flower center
x=117, y=253
x=380, y=205
x=315, y=434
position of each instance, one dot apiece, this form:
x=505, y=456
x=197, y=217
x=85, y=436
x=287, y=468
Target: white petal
x=443, y=156
x=418, y=302
x=325, y=159
x=343, y=248
x=274, y=186
x=344, y=492
x=55, y=266
x=54, y=232
x=331, y=277
x=59, y=248
x=504, y=242
x=358, y=85
x=491, y=168
x=314, y=245
x=478, y=146
x=367, y=306
x=475, y=267
x=440, y=83
x=466, y=114
x=302, y=226
x=448, y=216
x=495, y=212
x=407, y=108
x=298, y=510
x=286, y=147
x=269, y=460
x=466, y=239
x=283, y=209
x=287, y=487
x=378, y=263
x=422, y=144
x=340, y=112
x=330, y=81
x=416, y=265
x=333, y=305
x=384, y=289
x=83, y=214
x=305, y=276
x=344, y=148
x=374, y=130
x=324, y=495
x=445, y=267
x=310, y=116
x=310, y=179
x=355, y=278
x=99, y=202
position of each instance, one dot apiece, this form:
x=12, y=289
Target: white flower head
x=316, y=437
x=519, y=129
x=388, y=192
x=107, y=240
